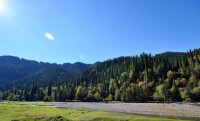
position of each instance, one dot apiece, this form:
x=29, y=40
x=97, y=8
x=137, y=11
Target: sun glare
x=2, y=5
x=3, y=8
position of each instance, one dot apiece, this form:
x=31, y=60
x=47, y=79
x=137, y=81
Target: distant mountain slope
x=75, y=68
x=171, y=55
x=44, y=77
x=12, y=68
x=15, y=68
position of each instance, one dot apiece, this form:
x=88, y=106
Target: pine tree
x=49, y=89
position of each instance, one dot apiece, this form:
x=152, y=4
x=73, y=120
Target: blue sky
x=96, y=30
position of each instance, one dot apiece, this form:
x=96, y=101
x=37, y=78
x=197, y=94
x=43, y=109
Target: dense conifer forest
x=164, y=77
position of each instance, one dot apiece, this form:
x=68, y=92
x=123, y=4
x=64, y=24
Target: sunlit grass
x=36, y=103
x=16, y=111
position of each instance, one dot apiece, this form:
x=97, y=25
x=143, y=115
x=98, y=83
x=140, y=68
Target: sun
x=3, y=7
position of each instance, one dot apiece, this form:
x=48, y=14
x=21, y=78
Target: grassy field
x=35, y=103
x=10, y=111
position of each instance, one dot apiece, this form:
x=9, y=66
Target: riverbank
x=173, y=110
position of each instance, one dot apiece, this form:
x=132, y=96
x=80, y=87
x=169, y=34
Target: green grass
x=36, y=103
x=22, y=112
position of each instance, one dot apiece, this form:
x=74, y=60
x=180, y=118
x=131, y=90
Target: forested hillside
x=129, y=79
x=15, y=72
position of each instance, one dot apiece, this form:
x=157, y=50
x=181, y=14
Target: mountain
x=171, y=55
x=13, y=69
x=75, y=68
x=166, y=77
x=43, y=78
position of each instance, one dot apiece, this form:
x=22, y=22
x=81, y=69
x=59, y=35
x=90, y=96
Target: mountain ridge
x=13, y=69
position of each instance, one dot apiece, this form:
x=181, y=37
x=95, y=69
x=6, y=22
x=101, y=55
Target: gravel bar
x=187, y=110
